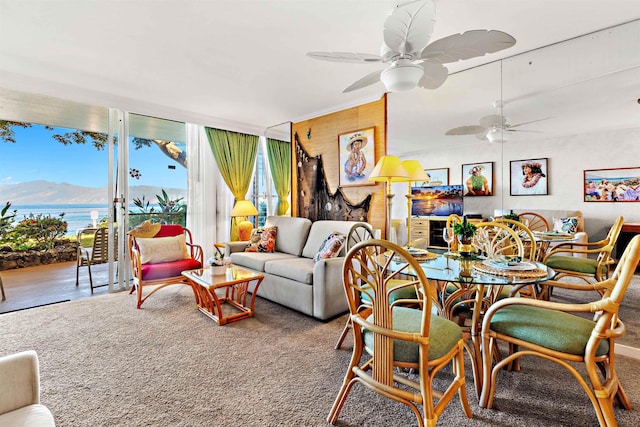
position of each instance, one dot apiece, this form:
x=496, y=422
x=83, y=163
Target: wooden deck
x=49, y=284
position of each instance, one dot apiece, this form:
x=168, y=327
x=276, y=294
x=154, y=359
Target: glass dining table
x=471, y=285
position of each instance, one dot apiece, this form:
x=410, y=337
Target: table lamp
x=416, y=173
x=389, y=169
x=244, y=208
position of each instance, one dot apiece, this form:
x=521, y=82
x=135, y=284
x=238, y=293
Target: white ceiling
x=241, y=64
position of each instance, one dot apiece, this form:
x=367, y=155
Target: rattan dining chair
x=587, y=270
x=453, y=219
x=551, y=331
x=393, y=338
x=535, y=221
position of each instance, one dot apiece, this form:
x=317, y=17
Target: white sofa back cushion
x=292, y=233
x=320, y=230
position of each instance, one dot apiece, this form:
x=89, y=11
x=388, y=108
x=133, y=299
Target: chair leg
x=4, y=297
x=90, y=278
x=344, y=333
x=77, y=272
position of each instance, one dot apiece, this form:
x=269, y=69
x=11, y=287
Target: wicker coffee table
x=223, y=297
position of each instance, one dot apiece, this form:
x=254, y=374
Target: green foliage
x=464, y=229
x=6, y=220
x=512, y=216
x=40, y=229
x=171, y=211
x=170, y=206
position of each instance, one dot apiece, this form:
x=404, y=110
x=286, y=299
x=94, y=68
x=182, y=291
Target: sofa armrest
x=231, y=247
x=19, y=380
x=329, y=298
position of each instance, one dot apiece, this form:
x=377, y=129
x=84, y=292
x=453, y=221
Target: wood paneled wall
x=324, y=141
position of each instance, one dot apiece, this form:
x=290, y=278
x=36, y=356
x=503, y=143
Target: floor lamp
x=416, y=173
x=389, y=169
x=244, y=208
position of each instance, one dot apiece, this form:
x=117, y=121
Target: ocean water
x=77, y=216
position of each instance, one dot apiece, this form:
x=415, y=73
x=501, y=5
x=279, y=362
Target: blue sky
x=37, y=156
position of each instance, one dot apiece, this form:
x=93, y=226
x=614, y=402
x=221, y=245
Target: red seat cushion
x=168, y=230
x=168, y=269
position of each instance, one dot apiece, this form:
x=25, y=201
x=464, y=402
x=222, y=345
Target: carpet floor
x=105, y=363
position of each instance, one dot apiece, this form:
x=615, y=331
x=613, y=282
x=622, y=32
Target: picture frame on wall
x=529, y=177
x=357, y=150
x=612, y=185
x=477, y=179
x=437, y=177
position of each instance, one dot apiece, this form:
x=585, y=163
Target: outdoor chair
x=97, y=254
x=160, y=260
x=395, y=339
x=587, y=270
x=551, y=331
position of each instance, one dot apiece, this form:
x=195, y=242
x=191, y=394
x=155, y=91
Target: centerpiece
x=465, y=231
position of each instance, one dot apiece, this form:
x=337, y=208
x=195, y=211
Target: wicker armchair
x=551, y=331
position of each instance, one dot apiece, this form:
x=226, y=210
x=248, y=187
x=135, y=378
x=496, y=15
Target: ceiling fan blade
x=493, y=120
x=434, y=75
x=483, y=136
x=367, y=80
x=467, y=130
x=530, y=121
x=345, y=57
x=523, y=130
x=469, y=44
x=409, y=27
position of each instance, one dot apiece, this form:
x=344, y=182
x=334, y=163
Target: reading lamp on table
x=389, y=169
x=244, y=209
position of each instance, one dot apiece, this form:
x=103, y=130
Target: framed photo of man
x=357, y=152
x=477, y=179
x=529, y=177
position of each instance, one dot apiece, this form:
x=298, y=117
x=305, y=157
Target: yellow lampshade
x=244, y=208
x=389, y=169
x=414, y=168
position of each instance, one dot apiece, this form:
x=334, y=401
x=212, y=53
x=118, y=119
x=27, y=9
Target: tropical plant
x=464, y=229
x=168, y=205
x=6, y=220
x=512, y=216
x=41, y=229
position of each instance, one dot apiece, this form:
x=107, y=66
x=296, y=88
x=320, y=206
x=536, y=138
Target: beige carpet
x=104, y=363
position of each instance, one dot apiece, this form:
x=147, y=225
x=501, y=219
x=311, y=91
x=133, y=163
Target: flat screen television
x=440, y=200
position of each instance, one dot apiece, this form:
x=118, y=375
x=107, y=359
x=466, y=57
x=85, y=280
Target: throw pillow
x=162, y=249
x=145, y=230
x=262, y=240
x=566, y=225
x=331, y=246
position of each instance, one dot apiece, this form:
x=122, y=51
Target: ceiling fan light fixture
x=402, y=76
x=497, y=135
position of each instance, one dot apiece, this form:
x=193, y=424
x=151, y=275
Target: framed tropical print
x=357, y=157
x=529, y=177
x=436, y=177
x=477, y=179
x=612, y=185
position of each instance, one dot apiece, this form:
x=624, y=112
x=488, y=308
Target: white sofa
x=549, y=214
x=291, y=277
x=20, y=392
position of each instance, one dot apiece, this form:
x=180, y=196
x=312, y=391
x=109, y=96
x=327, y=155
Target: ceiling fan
x=493, y=128
x=413, y=61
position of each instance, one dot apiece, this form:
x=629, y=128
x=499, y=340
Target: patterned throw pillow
x=262, y=240
x=331, y=246
x=566, y=225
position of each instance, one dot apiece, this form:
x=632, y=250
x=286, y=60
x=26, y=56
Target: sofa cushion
x=298, y=269
x=31, y=415
x=257, y=260
x=565, y=225
x=292, y=231
x=331, y=246
x=320, y=230
x=262, y=240
x=156, y=250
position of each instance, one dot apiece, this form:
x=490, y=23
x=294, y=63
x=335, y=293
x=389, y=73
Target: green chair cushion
x=407, y=292
x=443, y=335
x=579, y=265
x=552, y=329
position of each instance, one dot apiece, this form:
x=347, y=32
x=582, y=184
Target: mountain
x=51, y=193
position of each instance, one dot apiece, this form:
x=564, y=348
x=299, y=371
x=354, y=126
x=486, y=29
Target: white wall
x=568, y=157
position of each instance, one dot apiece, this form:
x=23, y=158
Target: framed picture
x=436, y=177
x=612, y=185
x=529, y=177
x=477, y=179
x=357, y=150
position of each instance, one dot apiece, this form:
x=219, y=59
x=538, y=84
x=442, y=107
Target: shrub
x=42, y=229
x=6, y=220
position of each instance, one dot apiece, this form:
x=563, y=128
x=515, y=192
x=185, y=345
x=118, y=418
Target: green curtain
x=235, y=154
x=279, y=154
